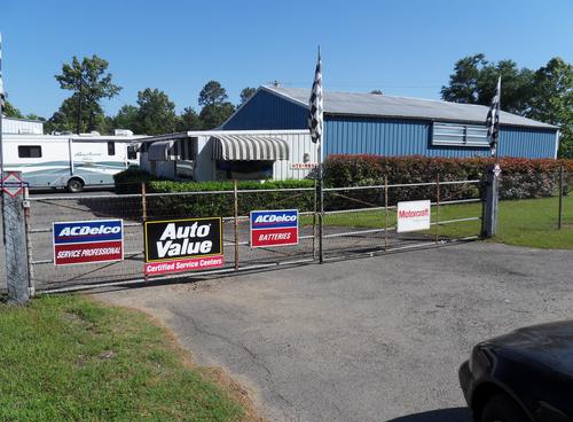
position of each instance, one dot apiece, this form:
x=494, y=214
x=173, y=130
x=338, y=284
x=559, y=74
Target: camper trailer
x=72, y=162
x=225, y=155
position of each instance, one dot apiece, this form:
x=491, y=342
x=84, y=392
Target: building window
x=452, y=134
x=30, y=151
x=111, y=148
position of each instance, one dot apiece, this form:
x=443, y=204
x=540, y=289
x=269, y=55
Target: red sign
x=81, y=253
x=274, y=237
x=180, y=265
x=12, y=184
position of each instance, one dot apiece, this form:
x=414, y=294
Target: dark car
x=523, y=376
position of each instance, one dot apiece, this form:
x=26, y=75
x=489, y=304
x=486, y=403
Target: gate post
x=17, y=275
x=489, y=226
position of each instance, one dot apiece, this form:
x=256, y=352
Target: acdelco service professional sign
x=82, y=242
x=274, y=228
x=413, y=216
x=183, y=245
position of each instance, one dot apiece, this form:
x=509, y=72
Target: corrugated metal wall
x=357, y=135
x=348, y=135
x=24, y=127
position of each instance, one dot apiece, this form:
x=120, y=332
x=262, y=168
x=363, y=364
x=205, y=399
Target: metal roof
x=374, y=105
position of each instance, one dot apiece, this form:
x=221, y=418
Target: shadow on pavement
x=458, y=414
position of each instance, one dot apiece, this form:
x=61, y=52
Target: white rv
x=68, y=161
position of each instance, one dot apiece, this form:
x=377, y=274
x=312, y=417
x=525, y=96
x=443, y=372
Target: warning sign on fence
x=274, y=228
x=183, y=245
x=82, y=242
x=413, y=216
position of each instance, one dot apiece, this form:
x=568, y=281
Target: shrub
x=129, y=181
x=222, y=204
x=521, y=178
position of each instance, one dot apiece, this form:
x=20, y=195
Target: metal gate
x=357, y=221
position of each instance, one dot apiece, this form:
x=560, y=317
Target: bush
x=129, y=181
x=222, y=204
x=521, y=178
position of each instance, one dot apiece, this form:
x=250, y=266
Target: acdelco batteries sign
x=82, y=242
x=183, y=245
x=274, y=228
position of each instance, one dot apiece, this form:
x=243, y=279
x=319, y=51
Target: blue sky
x=405, y=47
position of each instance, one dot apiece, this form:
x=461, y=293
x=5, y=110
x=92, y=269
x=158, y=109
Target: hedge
x=521, y=178
x=222, y=204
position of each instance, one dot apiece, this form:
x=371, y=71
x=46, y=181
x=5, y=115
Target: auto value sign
x=183, y=245
x=413, y=216
x=82, y=242
x=274, y=228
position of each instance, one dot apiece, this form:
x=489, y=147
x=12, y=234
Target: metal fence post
x=17, y=276
x=489, y=228
x=561, y=188
x=144, y=216
x=385, y=213
x=314, y=222
x=437, y=208
x=236, y=223
x=28, y=226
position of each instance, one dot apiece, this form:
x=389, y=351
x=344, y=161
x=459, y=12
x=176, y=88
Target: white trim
x=209, y=133
x=286, y=97
x=557, y=136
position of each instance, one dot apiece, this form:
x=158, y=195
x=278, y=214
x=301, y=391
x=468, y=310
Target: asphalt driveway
x=376, y=339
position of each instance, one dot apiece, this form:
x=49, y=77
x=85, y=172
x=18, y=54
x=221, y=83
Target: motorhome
x=72, y=162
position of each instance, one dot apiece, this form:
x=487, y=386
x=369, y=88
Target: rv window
x=111, y=148
x=29, y=151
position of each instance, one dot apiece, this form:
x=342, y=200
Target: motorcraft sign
x=183, y=245
x=83, y=242
x=274, y=228
x=413, y=216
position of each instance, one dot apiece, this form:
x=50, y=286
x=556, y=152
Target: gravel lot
x=376, y=339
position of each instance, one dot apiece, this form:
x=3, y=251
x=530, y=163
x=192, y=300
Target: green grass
x=530, y=222
x=67, y=358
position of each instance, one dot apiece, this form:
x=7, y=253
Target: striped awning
x=249, y=148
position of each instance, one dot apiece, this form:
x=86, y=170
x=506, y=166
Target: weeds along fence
x=357, y=220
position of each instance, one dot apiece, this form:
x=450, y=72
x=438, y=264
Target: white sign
x=413, y=216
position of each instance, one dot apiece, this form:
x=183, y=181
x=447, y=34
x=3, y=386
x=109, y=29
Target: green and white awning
x=249, y=148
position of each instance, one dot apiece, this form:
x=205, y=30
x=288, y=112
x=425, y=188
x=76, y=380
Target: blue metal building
x=361, y=123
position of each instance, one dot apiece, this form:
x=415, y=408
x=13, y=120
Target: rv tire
x=75, y=185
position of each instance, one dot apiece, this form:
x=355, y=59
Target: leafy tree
x=213, y=116
x=90, y=82
x=33, y=116
x=156, y=112
x=66, y=118
x=127, y=118
x=212, y=94
x=552, y=101
x=10, y=111
x=189, y=120
x=247, y=93
x=474, y=81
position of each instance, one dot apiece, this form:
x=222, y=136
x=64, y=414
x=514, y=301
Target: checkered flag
x=492, y=121
x=315, y=119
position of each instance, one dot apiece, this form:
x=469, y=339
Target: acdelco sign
x=82, y=242
x=413, y=216
x=274, y=228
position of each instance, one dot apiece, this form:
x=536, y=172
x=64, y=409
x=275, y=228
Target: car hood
x=549, y=345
